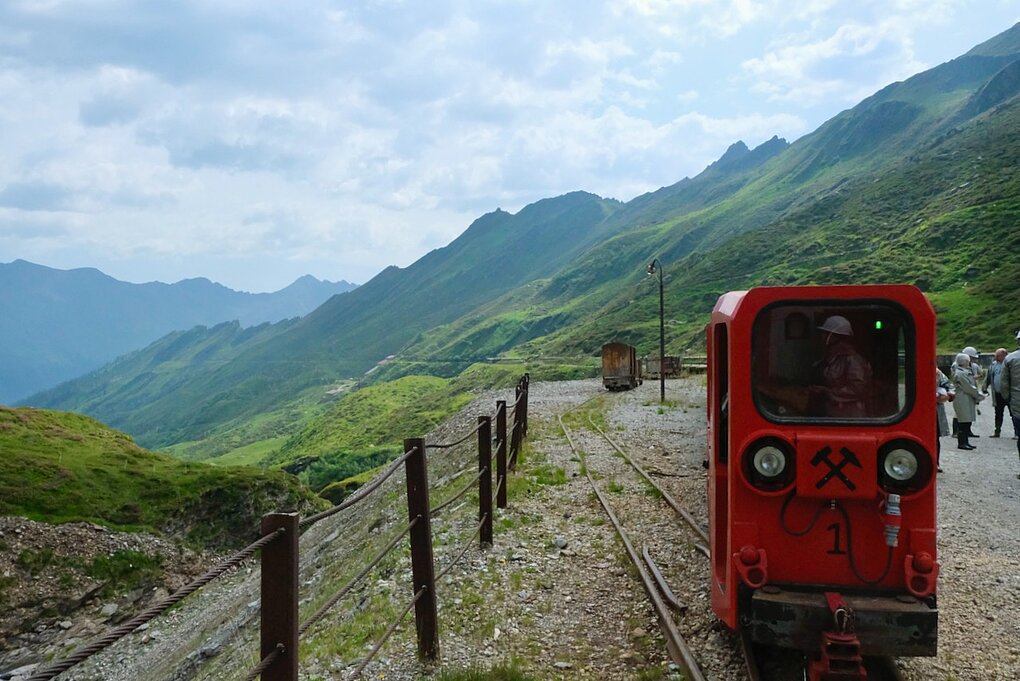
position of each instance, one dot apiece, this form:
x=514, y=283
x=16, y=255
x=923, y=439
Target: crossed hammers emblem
x=836, y=469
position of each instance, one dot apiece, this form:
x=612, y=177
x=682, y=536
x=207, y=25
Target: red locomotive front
x=822, y=432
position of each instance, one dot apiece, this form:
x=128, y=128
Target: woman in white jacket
x=966, y=401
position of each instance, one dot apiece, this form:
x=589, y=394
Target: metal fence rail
x=458, y=442
x=360, y=495
x=389, y=632
x=464, y=549
x=152, y=612
x=279, y=629
x=463, y=490
x=343, y=591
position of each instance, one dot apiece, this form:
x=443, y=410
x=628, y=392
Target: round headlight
x=901, y=465
x=769, y=461
x=905, y=466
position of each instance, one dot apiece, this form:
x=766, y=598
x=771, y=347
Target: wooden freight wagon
x=620, y=367
x=651, y=366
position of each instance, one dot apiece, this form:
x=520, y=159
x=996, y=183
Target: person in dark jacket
x=944, y=392
x=845, y=375
x=966, y=401
x=1010, y=384
x=993, y=380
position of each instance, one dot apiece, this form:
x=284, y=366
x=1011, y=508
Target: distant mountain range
x=59, y=324
x=919, y=183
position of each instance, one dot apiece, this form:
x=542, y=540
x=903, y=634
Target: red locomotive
x=821, y=457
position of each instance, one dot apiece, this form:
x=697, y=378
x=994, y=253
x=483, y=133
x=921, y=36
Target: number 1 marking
x=835, y=540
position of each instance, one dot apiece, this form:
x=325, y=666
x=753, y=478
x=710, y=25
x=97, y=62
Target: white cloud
x=693, y=19
x=850, y=63
x=160, y=138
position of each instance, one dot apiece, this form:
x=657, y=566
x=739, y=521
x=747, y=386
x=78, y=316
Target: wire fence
x=280, y=630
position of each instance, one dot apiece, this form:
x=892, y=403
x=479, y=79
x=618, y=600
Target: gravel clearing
x=555, y=594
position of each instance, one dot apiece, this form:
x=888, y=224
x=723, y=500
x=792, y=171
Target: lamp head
x=651, y=270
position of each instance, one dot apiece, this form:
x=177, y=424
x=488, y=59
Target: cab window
x=831, y=361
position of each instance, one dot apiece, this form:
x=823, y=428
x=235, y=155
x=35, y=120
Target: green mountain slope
x=366, y=428
x=917, y=183
x=887, y=191
x=131, y=392
x=59, y=467
x=943, y=219
x=348, y=334
x=56, y=325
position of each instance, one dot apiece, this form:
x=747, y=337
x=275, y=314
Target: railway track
x=611, y=463
x=608, y=466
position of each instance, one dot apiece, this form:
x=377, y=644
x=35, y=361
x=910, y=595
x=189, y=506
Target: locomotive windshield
x=831, y=361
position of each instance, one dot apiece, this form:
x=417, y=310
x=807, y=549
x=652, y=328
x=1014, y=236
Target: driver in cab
x=842, y=377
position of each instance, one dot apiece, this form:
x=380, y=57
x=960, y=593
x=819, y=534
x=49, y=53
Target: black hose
x=849, y=537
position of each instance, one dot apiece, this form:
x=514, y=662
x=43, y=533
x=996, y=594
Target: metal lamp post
x=653, y=267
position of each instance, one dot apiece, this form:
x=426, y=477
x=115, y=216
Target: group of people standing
x=1002, y=381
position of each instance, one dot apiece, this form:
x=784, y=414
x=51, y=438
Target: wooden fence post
x=279, y=619
x=485, y=482
x=515, y=432
x=527, y=386
x=422, y=565
x=501, y=454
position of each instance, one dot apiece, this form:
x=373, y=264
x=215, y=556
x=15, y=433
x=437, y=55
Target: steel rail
x=886, y=668
x=360, y=494
x=459, y=473
x=680, y=510
x=750, y=659
x=458, y=442
x=667, y=593
x=385, y=637
x=467, y=545
x=464, y=490
x=153, y=611
x=675, y=643
x=883, y=665
x=266, y=662
x=343, y=591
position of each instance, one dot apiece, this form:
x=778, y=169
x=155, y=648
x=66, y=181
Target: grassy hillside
x=347, y=335
x=919, y=183
x=131, y=392
x=379, y=415
x=367, y=428
x=934, y=204
x=59, y=467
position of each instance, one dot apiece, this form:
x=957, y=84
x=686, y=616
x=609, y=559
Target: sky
x=255, y=141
